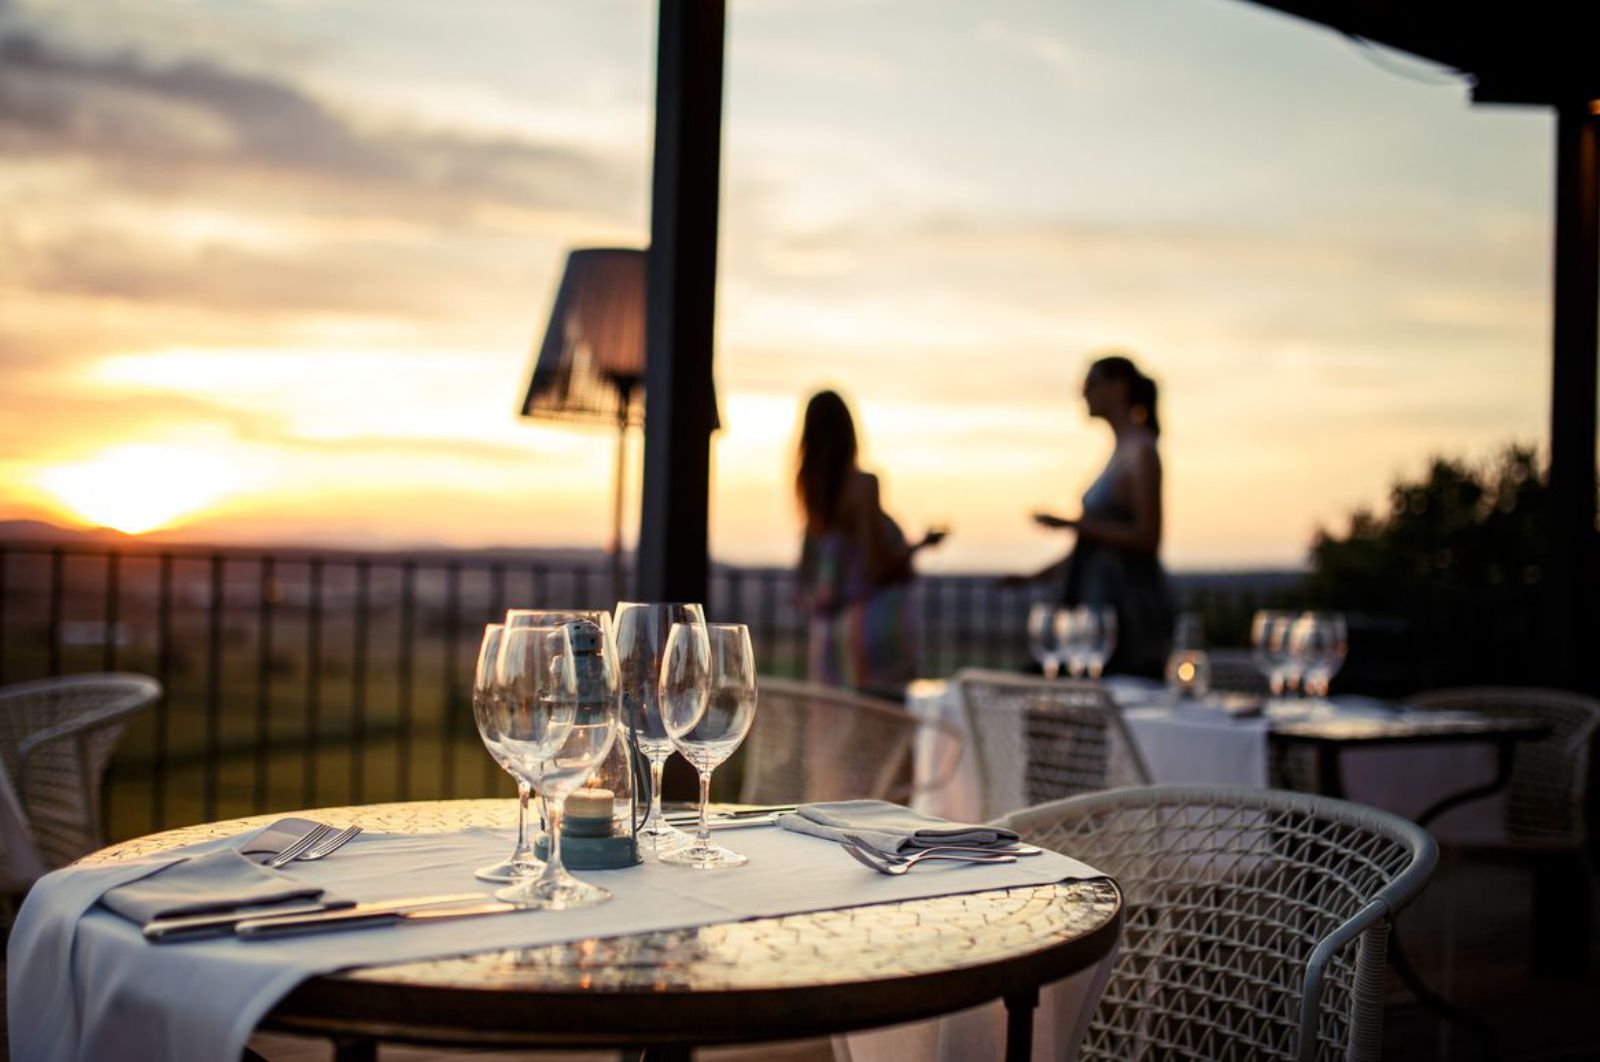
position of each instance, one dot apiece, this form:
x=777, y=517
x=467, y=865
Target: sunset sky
x=271, y=270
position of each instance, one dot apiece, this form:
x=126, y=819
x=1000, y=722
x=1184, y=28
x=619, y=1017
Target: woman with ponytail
x=1115, y=562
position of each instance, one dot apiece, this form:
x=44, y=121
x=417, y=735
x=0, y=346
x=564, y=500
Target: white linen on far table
x=93, y=988
x=1198, y=744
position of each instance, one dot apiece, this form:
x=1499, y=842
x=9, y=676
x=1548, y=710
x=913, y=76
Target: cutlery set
x=895, y=864
x=321, y=841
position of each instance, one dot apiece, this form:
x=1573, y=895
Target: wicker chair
x=1256, y=920
x=812, y=742
x=1235, y=671
x=1042, y=739
x=1545, y=824
x=56, y=740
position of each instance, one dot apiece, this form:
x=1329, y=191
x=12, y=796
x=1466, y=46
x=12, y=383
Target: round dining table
x=758, y=980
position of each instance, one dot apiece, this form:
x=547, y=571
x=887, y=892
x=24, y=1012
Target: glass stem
x=524, y=794
x=654, y=821
x=702, y=836
x=553, y=870
x=1052, y=668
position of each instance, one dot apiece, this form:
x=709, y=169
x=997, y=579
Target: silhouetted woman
x=855, y=563
x=1115, y=562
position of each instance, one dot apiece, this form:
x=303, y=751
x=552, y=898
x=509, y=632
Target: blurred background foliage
x=1442, y=588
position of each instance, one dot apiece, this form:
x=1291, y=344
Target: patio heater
x=591, y=364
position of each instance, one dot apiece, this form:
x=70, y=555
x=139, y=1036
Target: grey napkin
x=212, y=883
x=890, y=827
x=275, y=838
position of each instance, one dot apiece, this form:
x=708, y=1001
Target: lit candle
x=587, y=803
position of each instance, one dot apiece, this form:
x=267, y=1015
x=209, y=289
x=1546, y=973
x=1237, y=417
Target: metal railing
x=299, y=678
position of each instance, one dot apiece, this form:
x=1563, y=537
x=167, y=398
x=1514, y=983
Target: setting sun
x=138, y=488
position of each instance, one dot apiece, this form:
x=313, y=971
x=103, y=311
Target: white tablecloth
x=1202, y=745
x=83, y=983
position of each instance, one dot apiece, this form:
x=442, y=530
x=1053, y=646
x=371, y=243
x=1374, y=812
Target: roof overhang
x=1526, y=51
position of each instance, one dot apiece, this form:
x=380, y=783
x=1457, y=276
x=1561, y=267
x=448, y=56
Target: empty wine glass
x=521, y=863
x=1269, y=646
x=1043, y=638
x=1319, y=641
x=1093, y=638
x=708, y=701
x=556, y=717
x=641, y=633
x=555, y=617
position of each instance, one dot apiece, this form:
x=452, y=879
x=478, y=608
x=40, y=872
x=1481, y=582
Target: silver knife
x=371, y=915
x=188, y=927
x=753, y=816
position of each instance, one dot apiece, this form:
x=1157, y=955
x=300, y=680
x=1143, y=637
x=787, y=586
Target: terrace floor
x=1483, y=965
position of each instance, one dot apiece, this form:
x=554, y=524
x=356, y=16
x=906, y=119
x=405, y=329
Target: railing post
x=210, y=756
x=408, y=625
x=108, y=655
x=313, y=712
x=267, y=588
x=358, y=684
x=58, y=562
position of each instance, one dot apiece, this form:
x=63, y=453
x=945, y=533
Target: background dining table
x=1361, y=749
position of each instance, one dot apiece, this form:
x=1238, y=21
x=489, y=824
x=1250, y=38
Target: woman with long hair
x=855, y=563
x=1115, y=562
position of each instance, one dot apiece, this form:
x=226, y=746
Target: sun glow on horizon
x=138, y=488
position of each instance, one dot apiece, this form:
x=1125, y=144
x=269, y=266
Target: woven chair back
x=1549, y=777
x=1040, y=739
x=812, y=742
x=56, y=740
x=1255, y=920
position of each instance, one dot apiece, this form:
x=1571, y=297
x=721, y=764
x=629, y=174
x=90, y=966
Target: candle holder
x=600, y=827
x=1188, y=666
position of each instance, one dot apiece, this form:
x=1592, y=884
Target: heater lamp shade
x=591, y=363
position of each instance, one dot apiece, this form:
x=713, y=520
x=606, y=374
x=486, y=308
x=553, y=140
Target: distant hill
x=39, y=531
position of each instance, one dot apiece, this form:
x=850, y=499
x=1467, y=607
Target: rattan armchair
x=1043, y=739
x=56, y=740
x=1545, y=811
x=1256, y=920
x=811, y=742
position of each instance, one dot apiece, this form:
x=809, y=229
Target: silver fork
x=877, y=861
x=326, y=848
x=305, y=841
x=1014, y=849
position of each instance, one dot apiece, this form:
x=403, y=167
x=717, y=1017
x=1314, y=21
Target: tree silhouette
x=1444, y=586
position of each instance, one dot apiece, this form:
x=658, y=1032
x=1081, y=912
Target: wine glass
x=640, y=631
x=556, y=717
x=708, y=701
x=521, y=863
x=1319, y=641
x=1093, y=639
x=1269, y=645
x=555, y=617
x=1043, y=643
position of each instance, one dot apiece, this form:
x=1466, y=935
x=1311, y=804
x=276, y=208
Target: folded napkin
x=271, y=840
x=207, y=884
x=890, y=827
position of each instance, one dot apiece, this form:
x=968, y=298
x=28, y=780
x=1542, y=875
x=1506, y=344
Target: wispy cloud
x=180, y=123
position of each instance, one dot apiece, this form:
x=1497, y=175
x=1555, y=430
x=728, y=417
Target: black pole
x=673, y=553
x=617, y=589
x=1571, y=574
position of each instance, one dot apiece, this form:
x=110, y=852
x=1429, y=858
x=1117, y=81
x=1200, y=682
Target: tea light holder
x=599, y=824
x=1188, y=666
